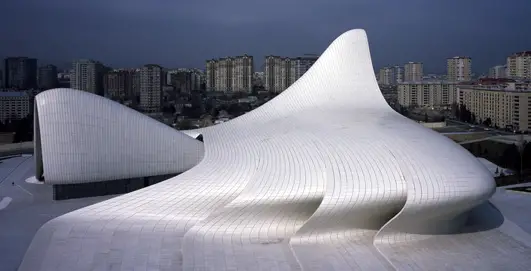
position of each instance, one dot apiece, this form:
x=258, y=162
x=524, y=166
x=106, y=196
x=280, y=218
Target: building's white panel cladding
x=87, y=138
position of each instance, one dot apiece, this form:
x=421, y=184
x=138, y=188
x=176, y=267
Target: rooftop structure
x=326, y=176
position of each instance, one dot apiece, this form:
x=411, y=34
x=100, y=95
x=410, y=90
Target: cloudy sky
x=179, y=33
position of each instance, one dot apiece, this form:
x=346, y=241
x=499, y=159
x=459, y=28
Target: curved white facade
x=326, y=176
x=82, y=137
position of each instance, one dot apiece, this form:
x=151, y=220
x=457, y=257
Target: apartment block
x=20, y=73
x=387, y=76
x=282, y=72
x=300, y=65
x=507, y=105
x=427, y=93
x=399, y=73
x=230, y=74
x=151, y=82
x=498, y=72
x=279, y=73
x=118, y=84
x=47, y=77
x=14, y=105
x=413, y=72
x=519, y=65
x=459, y=68
x=87, y=75
x=182, y=81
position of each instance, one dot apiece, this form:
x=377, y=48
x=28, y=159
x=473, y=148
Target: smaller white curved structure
x=326, y=176
x=81, y=137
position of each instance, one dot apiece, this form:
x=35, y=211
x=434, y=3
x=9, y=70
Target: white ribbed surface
x=86, y=138
x=307, y=181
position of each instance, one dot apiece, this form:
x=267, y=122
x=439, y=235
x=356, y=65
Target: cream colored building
x=519, y=65
x=230, y=74
x=459, y=68
x=413, y=72
x=504, y=105
x=279, y=73
x=387, y=76
x=427, y=93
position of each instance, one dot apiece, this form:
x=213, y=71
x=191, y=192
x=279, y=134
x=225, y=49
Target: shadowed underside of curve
x=326, y=176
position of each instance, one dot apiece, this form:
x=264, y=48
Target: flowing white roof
x=326, y=176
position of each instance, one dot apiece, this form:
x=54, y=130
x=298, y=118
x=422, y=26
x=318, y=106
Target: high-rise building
x=387, y=76
x=48, y=77
x=507, y=105
x=498, y=72
x=242, y=73
x=136, y=84
x=230, y=74
x=87, y=75
x=519, y=65
x=459, y=68
x=118, y=84
x=14, y=105
x=210, y=75
x=20, y=73
x=300, y=65
x=413, y=72
x=399, y=74
x=279, y=73
x=427, y=93
x=197, y=78
x=224, y=75
x=151, y=82
x=258, y=79
x=182, y=81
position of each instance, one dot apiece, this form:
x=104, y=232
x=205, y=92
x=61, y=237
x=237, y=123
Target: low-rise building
x=506, y=105
x=427, y=93
x=14, y=105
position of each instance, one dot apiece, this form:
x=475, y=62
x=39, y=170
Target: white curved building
x=326, y=176
x=82, y=137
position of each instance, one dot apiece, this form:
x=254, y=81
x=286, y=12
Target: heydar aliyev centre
x=326, y=176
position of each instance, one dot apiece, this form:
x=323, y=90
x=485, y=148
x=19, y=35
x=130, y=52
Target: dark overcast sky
x=176, y=33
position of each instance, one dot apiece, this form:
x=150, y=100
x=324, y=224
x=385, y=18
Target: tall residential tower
x=459, y=68
x=87, y=75
x=230, y=74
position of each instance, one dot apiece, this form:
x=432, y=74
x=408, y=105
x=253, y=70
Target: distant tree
x=426, y=117
x=191, y=112
x=456, y=110
x=184, y=125
x=511, y=157
x=487, y=122
x=23, y=129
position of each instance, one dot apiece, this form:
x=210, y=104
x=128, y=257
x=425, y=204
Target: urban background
x=492, y=105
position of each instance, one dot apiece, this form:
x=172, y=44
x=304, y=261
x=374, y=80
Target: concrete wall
x=6, y=138
x=16, y=148
x=432, y=125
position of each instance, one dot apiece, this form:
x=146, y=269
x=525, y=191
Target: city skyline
x=188, y=34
